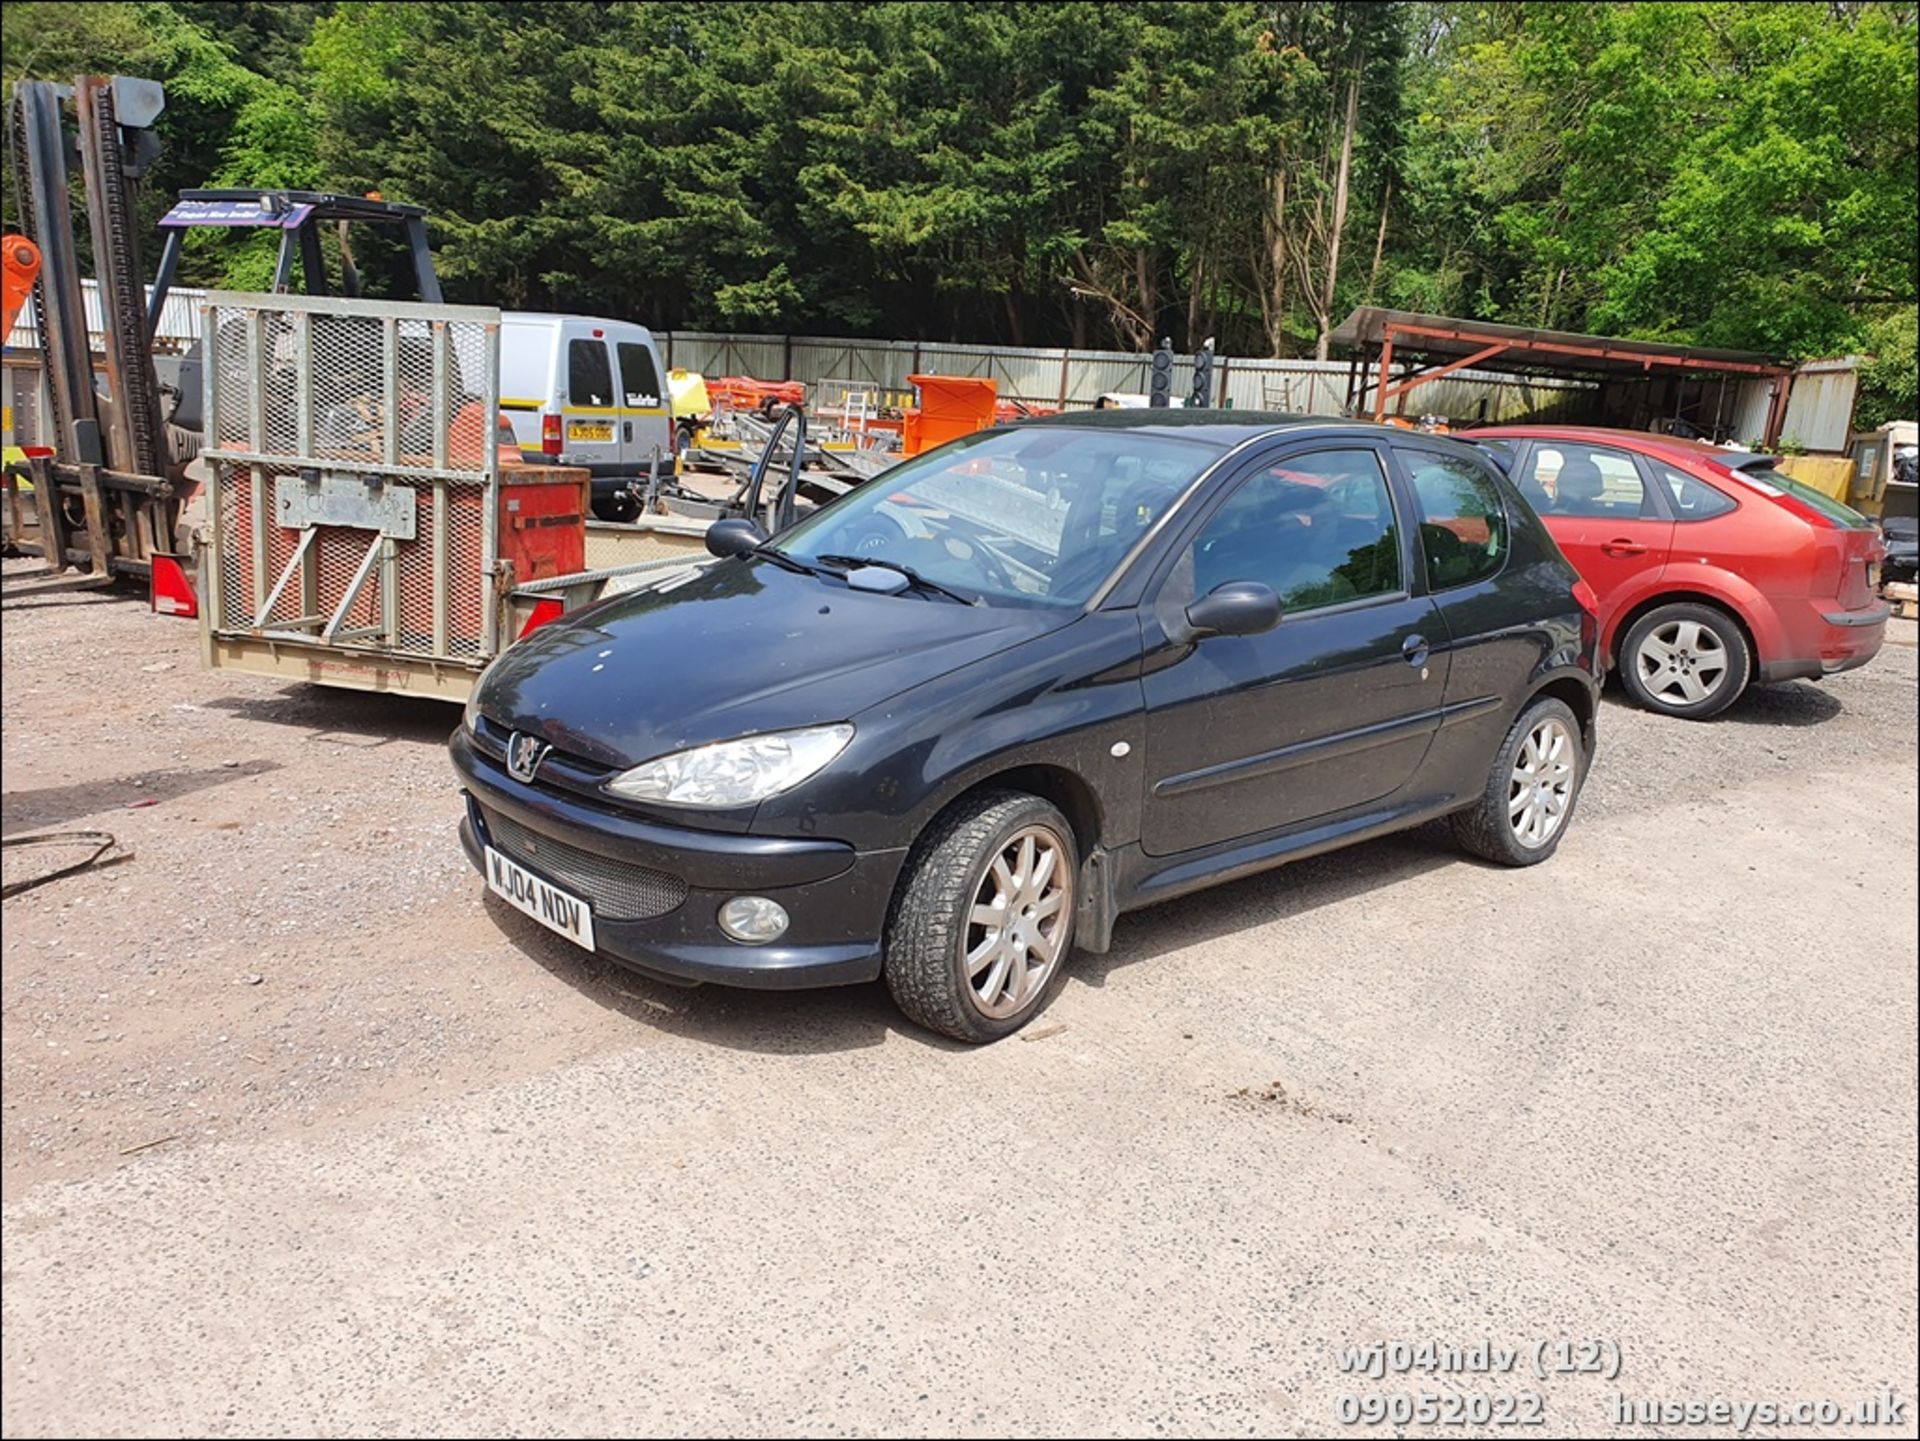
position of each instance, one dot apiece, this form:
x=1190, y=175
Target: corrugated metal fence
x=1076, y=378
x=1071, y=379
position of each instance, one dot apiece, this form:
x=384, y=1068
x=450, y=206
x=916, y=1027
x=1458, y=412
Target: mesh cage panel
x=354, y=404
x=232, y=371
x=335, y=556
x=349, y=387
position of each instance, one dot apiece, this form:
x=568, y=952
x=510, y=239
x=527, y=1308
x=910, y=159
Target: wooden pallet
x=1904, y=597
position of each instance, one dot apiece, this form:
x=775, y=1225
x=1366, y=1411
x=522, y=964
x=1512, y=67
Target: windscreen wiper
x=780, y=558
x=914, y=578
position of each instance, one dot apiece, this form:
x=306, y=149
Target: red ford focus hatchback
x=1713, y=568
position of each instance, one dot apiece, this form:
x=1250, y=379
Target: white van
x=586, y=392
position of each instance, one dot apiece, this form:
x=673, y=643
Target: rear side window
x=589, y=375
x=1463, y=520
x=1817, y=501
x=639, y=380
x=1319, y=529
x=1693, y=498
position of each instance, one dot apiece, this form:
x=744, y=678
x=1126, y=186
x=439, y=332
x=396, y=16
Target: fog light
x=753, y=920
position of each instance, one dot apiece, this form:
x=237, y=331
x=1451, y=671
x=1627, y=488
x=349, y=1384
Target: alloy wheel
x=1683, y=663
x=1018, y=922
x=1541, y=788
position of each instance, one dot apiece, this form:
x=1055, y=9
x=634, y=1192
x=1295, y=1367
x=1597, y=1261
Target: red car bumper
x=1823, y=640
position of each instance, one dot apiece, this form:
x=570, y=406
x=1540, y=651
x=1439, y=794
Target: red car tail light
x=550, y=435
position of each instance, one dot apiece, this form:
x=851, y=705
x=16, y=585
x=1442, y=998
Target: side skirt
x=1134, y=879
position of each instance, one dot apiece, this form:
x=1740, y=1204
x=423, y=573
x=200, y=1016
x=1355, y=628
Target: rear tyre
x=1685, y=660
x=978, y=940
x=1531, y=790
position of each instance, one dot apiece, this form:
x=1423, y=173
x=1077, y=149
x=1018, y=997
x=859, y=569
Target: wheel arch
x=1727, y=607
x=1069, y=793
x=1066, y=790
x=1576, y=693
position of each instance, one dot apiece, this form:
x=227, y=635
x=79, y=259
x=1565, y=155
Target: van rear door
x=646, y=421
x=592, y=405
x=528, y=385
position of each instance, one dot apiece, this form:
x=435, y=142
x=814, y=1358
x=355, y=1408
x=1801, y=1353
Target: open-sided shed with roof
x=1639, y=384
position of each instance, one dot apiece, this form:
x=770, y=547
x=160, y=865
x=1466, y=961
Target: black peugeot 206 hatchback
x=951, y=726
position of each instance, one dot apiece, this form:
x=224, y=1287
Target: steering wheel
x=984, y=559
x=993, y=566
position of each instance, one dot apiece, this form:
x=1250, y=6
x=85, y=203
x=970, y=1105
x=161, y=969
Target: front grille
x=614, y=889
x=559, y=770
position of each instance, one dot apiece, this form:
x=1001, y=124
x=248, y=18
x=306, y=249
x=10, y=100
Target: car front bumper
x=671, y=882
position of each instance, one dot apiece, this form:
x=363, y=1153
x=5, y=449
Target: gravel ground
x=301, y=1134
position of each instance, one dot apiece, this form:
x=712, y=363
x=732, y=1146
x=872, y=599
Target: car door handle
x=1415, y=649
x=1624, y=547
x=626, y=430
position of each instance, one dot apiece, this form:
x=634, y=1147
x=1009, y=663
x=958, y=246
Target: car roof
x=1645, y=441
x=1223, y=427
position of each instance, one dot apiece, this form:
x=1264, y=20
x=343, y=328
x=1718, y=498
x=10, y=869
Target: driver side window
x=1319, y=529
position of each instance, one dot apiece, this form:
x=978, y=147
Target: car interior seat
x=1535, y=494
x=1580, y=487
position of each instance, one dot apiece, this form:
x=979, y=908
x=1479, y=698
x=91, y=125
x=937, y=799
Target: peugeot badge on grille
x=524, y=754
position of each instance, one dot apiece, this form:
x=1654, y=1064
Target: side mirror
x=733, y=537
x=1240, y=607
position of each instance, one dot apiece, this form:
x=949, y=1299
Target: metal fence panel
x=1820, y=406
x=353, y=459
x=179, y=320
x=833, y=367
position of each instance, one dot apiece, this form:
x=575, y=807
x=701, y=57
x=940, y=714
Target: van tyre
x=1531, y=791
x=978, y=939
x=622, y=509
x=1686, y=660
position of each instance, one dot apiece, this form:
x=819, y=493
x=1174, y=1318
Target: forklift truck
x=108, y=484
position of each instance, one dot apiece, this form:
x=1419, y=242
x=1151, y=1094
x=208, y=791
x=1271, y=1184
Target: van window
x=638, y=376
x=589, y=376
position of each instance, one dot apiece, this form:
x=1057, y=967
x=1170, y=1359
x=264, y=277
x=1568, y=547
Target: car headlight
x=470, y=717
x=734, y=773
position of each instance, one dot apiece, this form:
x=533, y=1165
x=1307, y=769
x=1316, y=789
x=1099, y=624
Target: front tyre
x=978, y=939
x=1685, y=660
x=1531, y=791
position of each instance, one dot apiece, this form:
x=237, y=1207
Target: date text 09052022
x=1426, y=1408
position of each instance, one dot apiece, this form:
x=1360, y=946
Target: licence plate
x=587, y=431
x=565, y=914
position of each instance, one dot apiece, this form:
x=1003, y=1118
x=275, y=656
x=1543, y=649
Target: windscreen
x=1030, y=515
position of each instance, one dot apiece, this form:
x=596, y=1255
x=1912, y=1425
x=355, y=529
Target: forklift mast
x=105, y=482
x=106, y=496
